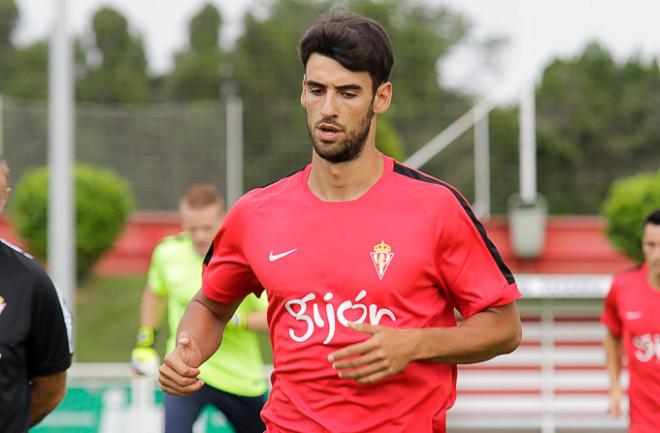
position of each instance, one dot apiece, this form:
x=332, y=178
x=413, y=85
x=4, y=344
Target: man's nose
x=329, y=106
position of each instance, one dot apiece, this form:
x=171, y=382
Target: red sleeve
x=226, y=274
x=470, y=266
x=610, y=316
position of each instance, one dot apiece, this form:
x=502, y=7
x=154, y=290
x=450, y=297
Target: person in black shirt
x=35, y=336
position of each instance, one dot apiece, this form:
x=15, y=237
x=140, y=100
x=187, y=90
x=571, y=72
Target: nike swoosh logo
x=633, y=315
x=275, y=257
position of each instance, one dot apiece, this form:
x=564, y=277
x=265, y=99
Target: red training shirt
x=632, y=311
x=403, y=255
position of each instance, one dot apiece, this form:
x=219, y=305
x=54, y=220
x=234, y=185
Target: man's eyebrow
x=340, y=88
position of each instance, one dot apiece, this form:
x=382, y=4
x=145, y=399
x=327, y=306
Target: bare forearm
x=204, y=321
x=46, y=393
x=202, y=326
x=483, y=336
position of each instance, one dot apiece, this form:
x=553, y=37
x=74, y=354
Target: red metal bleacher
x=556, y=381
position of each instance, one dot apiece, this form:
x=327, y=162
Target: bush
x=103, y=202
x=628, y=203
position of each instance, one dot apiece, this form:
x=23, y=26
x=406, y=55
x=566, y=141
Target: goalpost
x=476, y=117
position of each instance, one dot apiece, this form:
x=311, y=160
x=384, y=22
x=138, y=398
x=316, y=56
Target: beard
x=345, y=150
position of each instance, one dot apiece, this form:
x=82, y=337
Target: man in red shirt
x=364, y=261
x=632, y=317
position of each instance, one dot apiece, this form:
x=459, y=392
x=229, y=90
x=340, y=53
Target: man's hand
x=614, y=408
x=385, y=354
x=178, y=374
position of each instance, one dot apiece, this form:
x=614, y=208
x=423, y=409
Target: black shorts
x=242, y=412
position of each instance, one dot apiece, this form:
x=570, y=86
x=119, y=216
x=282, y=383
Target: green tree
x=32, y=62
x=32, y=80
x=503, y=157
x=120, y=75
x=196, y=73
x=8, y=18
x=596, y=121
x=628, y=203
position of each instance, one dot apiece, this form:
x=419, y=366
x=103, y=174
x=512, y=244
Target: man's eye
x=316, y=91
x=349, y=95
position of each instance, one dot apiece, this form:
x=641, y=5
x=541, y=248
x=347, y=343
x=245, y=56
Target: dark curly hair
x=358, y=43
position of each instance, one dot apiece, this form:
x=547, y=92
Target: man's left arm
x=484, y=335
x=46, y=393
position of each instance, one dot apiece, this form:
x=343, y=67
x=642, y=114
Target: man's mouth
x=328, y=132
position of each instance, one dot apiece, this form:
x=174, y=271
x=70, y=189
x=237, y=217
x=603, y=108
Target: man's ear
x=383, y=98
x=302, y=93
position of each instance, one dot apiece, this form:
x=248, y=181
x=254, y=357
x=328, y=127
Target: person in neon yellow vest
x=233, y=376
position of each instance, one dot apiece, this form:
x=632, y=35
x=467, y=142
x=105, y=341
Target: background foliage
x=629, y=202
x=103, y=202
x=597, y=119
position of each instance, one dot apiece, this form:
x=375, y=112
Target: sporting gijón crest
x=381, y=257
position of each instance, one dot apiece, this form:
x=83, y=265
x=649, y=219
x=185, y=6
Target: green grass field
x=106, y=320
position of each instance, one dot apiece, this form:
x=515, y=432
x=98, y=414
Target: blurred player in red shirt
x=364, y=261
x=632, y=317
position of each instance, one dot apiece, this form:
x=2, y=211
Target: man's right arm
x=614, y=360
x=198, y=337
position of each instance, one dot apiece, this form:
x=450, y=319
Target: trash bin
x=527, y=223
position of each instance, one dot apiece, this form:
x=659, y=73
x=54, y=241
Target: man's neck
x=347, y=180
